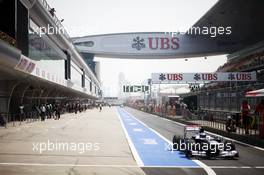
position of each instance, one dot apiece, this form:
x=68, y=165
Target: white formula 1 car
x=195, y=142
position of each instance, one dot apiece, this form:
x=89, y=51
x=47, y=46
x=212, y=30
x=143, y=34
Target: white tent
x=255, y=93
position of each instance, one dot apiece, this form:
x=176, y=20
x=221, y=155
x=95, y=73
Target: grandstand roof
x=244, y=16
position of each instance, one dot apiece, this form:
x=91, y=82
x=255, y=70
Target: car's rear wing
x=192, y=128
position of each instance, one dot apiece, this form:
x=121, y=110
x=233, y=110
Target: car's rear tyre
x=188, y=153
x=176, y=142
x=229, y=145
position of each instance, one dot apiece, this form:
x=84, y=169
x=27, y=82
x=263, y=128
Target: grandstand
x=222, y=98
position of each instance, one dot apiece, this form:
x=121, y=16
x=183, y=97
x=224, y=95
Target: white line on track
x=131, y=145
x=123, y=166
x=67, y=165
x=237, y=167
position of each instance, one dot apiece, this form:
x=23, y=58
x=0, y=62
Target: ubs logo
x=156, y=43
x=231, y=76
x=138, y=43
x=205, y=77
x=162, y=77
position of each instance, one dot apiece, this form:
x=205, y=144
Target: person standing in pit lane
x=21, y=112
x=260, y=112
x=43, y=112
x=245, y=111
x=2, y=120
x=76, y=108
x=57, y=111
x=230, y=124
x=100, y=107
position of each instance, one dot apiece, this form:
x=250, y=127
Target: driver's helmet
x=218, y=139
x=201, y=130
x=202, y=134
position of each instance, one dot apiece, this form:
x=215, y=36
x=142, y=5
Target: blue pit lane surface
x=152, y=149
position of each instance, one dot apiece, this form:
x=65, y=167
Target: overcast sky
x=89, y=17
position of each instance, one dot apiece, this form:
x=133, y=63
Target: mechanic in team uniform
x=100, y=107
x=260, y=112
x=245, y=111
x=230, y=124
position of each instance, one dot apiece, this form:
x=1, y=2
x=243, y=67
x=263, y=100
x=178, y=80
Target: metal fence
x=211, y=119
x=218, y=119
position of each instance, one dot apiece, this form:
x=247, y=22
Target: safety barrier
x=213, y=119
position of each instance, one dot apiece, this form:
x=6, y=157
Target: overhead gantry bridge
x=217, y=32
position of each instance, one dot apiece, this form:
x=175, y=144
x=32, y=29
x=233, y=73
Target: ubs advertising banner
x=171, y=78
x=150, y=45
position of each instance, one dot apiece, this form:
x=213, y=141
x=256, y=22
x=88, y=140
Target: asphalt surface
x=251, y=160
x=107, y=150
x=114, y=156
x=152, y=153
